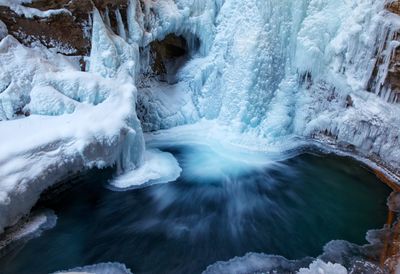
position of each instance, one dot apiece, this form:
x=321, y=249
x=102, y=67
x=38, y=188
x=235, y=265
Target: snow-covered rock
x=77, y=119
x=18, y=7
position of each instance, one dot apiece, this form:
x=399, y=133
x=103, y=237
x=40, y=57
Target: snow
x=320, y=267
x=159, y=167
x=101, y=268
x=256, y=263
x=18, y=7
x=78, y=120
x=338, y=257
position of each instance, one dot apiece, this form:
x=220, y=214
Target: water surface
x=292, y=208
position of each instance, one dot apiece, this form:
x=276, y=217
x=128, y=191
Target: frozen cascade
x=275, y=70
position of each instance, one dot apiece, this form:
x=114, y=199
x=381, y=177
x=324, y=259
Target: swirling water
x=290, y=208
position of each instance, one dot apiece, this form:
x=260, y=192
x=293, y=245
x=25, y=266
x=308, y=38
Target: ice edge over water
x=158, y=168
x=33, y=227
x=101, y=268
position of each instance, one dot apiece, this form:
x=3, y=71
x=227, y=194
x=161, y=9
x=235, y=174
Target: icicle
x=107, y=18
x=134, y=29
x=120, y=24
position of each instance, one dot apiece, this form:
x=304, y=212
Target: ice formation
x=257, y=263
x=277, y=69
x=33, y=227
x=158, y=167
x=262, y=263
x=102, y=268
x=268, y=75
x=338, y=257
x=76, y=119
x=321, y=267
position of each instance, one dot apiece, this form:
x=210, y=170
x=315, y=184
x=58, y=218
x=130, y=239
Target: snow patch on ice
x=158, y=167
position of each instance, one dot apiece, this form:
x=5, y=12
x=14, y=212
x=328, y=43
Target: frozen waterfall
x=276, y=70
x=269, y=75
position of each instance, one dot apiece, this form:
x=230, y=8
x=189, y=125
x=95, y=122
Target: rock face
x=171, y=47
x=394, y=68
x=68, y=33
x=385, y=79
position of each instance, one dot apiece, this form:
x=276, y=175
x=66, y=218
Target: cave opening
x=162, y=59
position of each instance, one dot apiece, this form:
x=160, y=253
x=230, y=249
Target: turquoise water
x=292, y=209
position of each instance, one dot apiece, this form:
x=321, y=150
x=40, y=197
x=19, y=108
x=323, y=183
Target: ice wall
x=277, y=69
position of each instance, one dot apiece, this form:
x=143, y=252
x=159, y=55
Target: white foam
x=210, y=152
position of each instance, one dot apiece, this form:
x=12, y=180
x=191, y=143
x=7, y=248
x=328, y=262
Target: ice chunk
x=320, y=267
x=158, y=167
x=101, y=268
x=256, y=263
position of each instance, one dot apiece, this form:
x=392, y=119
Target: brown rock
x=69, y=33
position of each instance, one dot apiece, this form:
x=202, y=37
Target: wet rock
x=170, y=48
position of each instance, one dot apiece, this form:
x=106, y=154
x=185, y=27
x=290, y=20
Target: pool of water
x=291, y=208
